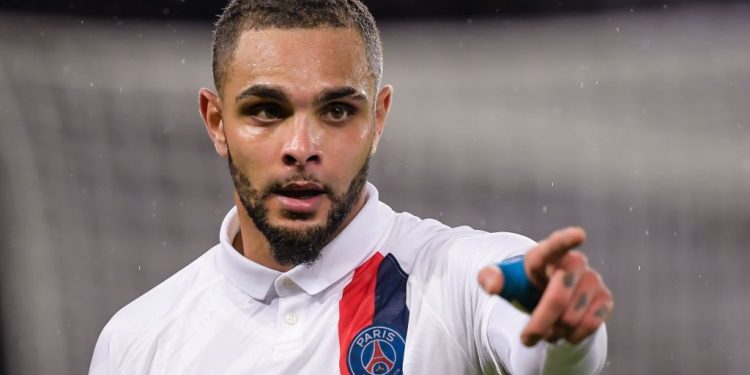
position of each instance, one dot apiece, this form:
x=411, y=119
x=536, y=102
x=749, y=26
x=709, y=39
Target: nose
x=301, y=147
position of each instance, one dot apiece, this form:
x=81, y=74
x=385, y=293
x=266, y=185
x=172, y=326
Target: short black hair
x=240, y=15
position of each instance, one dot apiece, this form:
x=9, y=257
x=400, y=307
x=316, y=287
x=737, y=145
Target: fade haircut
x=241, y=15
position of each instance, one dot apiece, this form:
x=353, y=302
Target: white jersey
x=391, y=294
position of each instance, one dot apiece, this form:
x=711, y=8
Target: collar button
x=291, y=319
x=288, y=283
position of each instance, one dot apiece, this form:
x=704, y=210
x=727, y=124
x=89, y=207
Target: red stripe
x=357, y=306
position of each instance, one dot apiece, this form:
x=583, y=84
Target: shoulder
x=167, y=299
x=135, y=329
x=427, y=243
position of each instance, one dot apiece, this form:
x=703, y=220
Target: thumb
x=491, y=279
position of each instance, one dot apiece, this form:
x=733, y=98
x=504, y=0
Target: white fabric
x=224, y=314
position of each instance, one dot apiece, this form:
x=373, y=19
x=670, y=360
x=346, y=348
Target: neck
x=253, y=245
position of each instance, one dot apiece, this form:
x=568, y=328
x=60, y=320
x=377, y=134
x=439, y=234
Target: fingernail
x=486, y=282
x=532, y=339
x=552, y=339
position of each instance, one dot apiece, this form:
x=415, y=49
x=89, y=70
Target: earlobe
x=375, y=140
x=210, y=109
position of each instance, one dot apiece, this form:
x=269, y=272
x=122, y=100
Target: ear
x=382, y=106
x=210, y=107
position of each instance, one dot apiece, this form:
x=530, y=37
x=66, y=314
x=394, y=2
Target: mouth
x=301, y=190
x=301, y=198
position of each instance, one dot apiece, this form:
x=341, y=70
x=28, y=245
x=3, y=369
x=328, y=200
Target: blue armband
x=517, y=288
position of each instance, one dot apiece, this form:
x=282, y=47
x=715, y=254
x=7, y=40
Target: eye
x=266, y=112
x=338, y=112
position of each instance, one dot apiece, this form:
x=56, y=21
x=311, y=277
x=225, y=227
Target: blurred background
x=630, y=118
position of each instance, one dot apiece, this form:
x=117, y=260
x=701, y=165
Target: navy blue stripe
x=390, y=296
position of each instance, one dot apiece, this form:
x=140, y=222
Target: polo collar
x=343, y=254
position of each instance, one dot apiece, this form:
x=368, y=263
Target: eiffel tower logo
x=378, y=363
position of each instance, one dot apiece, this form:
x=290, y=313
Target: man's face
x=299, y=113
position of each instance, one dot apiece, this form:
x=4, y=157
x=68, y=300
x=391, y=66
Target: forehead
x=301, y=60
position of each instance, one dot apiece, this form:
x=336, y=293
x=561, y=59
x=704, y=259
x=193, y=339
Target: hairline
x=372, y=64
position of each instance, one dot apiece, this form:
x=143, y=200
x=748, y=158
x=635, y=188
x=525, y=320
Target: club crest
x=376, y=350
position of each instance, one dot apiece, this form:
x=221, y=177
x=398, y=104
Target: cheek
x=350, y=154
x=367, y=132
x=353, y=140
x=250, y=151
x=248, y=133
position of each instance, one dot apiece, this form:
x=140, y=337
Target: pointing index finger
x=550, y=251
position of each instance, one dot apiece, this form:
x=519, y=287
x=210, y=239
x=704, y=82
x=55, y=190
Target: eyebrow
x=340, y=92
x=263, y=92
x=276, y=93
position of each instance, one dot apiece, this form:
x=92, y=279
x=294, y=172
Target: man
x=313, y=274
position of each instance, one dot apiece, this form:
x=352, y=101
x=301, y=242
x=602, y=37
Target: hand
x=575, y=301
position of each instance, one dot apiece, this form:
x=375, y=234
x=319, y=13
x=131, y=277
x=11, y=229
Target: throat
x=237, y=243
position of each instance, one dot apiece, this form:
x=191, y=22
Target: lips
x=301, y=190
x=301, y=197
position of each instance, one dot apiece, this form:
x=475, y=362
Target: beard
x=291, y=247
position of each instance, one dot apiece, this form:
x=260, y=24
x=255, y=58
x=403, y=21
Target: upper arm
x=100, y=361
x=454, y=266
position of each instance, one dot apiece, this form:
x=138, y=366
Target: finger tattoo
x=568, y=279
x=582, y=301
x=601, y=312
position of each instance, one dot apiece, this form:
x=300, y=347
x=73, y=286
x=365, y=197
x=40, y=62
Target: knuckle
x=587, y=326
x=590, y=325
x=598, y=276
x=568, y=320
x=593, y=277
x=584, y=258
x=576, y=258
